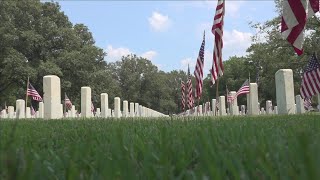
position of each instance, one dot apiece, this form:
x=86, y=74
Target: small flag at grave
x=244, y=89
x=92, y=107
x=307, y=103
x=33, y=112
x=311, y=79
x=31, y=91
x=67, y=102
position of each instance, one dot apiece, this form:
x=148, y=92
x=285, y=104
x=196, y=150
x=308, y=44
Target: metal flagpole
x=217, y=94
x=65, y=107
x=27, y=92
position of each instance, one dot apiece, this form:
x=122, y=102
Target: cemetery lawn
x=264, y=147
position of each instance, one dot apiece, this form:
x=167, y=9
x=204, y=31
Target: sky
x=169, y=33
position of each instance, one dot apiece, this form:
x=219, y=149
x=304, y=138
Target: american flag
x=67, y=102
x=198, y=72
x=189, y=88
x=307, y=103
x=311, y=79
x=92, y=107
x=31, y=91
x=183, y=96
x=217, y=30
x=244, y=89
x=33, y=112
x=294, y=18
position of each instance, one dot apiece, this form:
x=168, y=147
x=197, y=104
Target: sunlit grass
x=265, y=147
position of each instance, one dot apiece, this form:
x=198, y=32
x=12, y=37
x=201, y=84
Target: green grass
x=266, y=147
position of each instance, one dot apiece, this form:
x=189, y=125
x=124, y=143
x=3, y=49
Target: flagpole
x=217, y=93
x=27, y=92
x=65, y=107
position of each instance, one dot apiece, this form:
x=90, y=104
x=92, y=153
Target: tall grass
x=266, y=147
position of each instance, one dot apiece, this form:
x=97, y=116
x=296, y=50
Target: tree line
x=37, y=39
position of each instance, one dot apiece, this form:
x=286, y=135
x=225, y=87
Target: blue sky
x=169, y=33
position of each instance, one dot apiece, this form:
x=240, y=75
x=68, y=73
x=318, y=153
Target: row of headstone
x=287, y=103
x=51, y=107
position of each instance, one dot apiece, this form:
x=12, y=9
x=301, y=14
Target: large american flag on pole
x=311, y=79
x=217, y=30
x=183, y=96
x=198, y=72
x=294, y=19
x=189, y=90
x=31, y=91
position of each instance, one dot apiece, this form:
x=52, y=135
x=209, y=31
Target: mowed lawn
x=264, y=147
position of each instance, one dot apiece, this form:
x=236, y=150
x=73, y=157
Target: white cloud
x=159, y=22
x=115, y=54
x=236, y=42
x=149, y=55
x=187, y=61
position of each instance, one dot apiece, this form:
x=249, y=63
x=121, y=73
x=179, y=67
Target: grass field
x=266, y=147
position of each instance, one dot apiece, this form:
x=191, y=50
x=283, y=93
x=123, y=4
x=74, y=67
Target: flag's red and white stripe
x=92, y=107
x=244, y=89
x=183, y=96
x=67, y=102
x=189, y=89
x=294, y=19
x=31, y=91
x=217, y=30
x=311, y=79
x=198, y=72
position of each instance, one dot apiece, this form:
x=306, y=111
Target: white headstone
x=276, y=110
x=98, y=113
x=268, y=107
x=28, y=112
x=285, y=91
x=263, y=112
x=117, y=111
x=200, y=110
x=248, y=102
x=61, y=111
x=213, y=106
x=137, y=109
x=141, y=112
x=222, y=105
x=132, y=109
x=234, y=104
x=20, y=109
x=41, y=110
x=109, y=113
x=51, y=97
x=125, y=109
x=104, y=105
x=86, y=102
x=10, y=112
x=243, y=109
x=253, y=99
x=73, y=111
x=4, y=114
